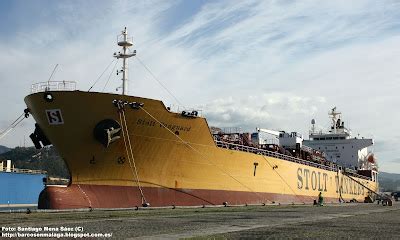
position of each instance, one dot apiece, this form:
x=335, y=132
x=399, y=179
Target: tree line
x=46, y=159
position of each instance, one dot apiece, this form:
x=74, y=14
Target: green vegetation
x=3, y=149
x=46, y=159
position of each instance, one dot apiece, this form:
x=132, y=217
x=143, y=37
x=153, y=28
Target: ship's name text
x=348, y=186
x=152, y=123
x=314, y=180
x=311, y=180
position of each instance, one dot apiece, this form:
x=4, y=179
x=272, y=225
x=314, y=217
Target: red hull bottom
x=102, y=196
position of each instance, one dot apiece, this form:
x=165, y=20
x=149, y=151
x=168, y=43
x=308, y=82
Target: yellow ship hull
x=172, y=159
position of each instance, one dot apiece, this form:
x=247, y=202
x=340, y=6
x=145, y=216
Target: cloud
x=385, y=145
x=273, y=110
x=275, y=64
x=395, y=160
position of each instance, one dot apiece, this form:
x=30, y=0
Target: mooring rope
x=340, y=184
x=362, y=184
x=87, y=197
x=125, y=136
x=205, y=157
x=285, y=180
x=15, y=123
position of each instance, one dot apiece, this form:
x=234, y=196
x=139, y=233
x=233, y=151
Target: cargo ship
x=20, y=188
x=125, y=151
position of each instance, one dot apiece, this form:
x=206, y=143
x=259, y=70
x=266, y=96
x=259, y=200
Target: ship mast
x=125, y=43
x=333, y=115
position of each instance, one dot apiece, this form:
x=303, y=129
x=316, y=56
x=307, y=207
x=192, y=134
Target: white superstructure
x=284, y=139
x=340, y=147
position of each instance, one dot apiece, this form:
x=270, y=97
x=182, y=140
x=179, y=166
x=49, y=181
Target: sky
x=270, y=64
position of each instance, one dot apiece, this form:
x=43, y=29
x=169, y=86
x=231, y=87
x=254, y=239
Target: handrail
x=354, y=173
x=254, y=150
x=178, y=109
x=21, y=170
x=53, y=86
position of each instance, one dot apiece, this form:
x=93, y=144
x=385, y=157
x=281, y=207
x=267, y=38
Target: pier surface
x=348, y=221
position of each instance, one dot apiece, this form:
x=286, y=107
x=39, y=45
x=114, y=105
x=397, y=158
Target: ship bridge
x=338, y=144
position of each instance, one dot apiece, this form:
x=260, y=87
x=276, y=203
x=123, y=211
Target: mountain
x=389, y=176
x=389, y=182
x=3, y=149
x=46, y=159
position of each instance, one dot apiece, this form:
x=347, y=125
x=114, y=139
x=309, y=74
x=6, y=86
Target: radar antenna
x=313, y=125
x=125, y=43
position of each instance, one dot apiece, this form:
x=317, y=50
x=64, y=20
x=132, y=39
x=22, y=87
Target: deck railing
x=180, y=109
x=259, y=151
x=53, y=86
x=21, y=170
